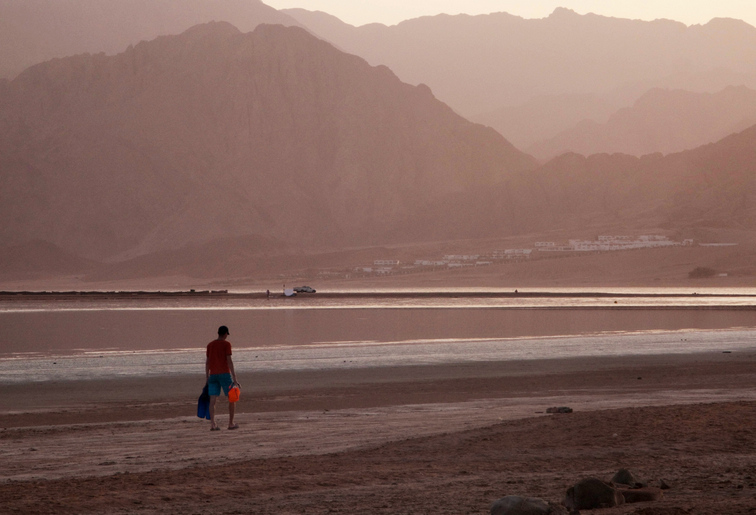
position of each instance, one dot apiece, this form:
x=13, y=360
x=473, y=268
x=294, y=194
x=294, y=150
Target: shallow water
x=100, y=365
x=86, y=337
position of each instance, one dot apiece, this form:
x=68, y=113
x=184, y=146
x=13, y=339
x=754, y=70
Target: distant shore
x=356, y=294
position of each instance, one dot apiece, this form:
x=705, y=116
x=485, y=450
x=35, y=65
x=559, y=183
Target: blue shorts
x=217, y=381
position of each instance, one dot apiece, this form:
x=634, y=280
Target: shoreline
x=440, y=382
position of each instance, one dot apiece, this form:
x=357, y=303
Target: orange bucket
x=233, y=394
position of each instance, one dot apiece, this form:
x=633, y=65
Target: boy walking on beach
x=220, y=374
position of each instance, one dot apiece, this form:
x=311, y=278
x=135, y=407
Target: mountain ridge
x=218, y=151
x=665, y=121
x=216, y=133
x=39, y=30
x=487, y=63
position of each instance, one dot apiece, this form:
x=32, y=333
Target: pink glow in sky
x=390, y=12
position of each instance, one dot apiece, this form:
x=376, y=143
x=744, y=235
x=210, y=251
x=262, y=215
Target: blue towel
x=203, y=404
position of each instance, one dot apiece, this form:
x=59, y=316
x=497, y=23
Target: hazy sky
x=360, y=12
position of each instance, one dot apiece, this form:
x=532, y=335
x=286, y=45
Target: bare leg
x=231, y=412
x=213, y=399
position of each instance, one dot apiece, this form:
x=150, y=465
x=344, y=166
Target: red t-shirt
x=217, y=350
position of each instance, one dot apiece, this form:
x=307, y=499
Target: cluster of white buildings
x=512, y=254
x=602, y=244
x=611, y=243
x=389, y=266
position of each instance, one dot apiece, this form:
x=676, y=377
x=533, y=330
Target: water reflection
x=60, y=331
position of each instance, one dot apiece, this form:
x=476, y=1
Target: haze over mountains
x=532, y=80
x=711, y=187
x=32, y=31
x=218, y=150
x=215, y=133
x=556, y=71
x=661, y=120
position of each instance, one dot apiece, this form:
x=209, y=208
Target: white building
x=512, y=254
x=424, y=262
x=556, y=248
x=462, y=257
x=608, y=243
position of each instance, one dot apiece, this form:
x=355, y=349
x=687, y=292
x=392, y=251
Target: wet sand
x=422, y=439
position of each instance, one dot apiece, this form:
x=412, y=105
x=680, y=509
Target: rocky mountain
x=481, y=65
x=716, y=185
x=272, y=135
x=33, y=31
x=665, y=121
x=701, y=193
x=713, y=186
x=704, y=191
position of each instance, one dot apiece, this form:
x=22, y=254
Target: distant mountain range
x=33, y=31
x=218, y=151
x=665, y=121
x=544, y=84
x=212, y=134
x=532, y=79
x=699, y=193
x=712, y=187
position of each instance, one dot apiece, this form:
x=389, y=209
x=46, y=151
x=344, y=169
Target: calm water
x=87, y=338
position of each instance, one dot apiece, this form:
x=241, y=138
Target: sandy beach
x=460, y=251
x=446, y=438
